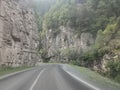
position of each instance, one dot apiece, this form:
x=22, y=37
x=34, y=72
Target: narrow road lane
x=49, y=77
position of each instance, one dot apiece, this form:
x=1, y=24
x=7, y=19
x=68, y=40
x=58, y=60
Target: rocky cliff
x=64, y=43
x=18, y=33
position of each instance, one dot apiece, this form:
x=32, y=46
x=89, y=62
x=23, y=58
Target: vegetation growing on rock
x=98, y=17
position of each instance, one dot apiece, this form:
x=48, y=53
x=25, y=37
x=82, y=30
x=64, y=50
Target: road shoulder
x=91, y=77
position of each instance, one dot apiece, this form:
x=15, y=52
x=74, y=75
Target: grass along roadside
x=96, y=78
x=8, y=70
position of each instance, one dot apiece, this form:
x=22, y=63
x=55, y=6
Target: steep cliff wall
x=60, y=46
x=18, y=33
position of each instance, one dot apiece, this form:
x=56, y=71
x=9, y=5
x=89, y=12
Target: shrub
x=114, y=69
x=44, y=55
x=74, y=62
x=117, y=78
x=88, y=58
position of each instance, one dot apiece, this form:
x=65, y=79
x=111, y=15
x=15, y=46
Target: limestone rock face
x=65, y=42
x=18, y=33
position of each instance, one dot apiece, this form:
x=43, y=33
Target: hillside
x=83, y=32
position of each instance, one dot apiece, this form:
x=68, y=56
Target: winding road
x=45, y=77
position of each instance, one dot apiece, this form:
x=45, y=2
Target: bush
x=114, y=69
x=89, y=57
x=74, y=62
x=117, y=78
x=44, y=55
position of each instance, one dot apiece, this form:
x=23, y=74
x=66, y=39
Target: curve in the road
x=46, y=77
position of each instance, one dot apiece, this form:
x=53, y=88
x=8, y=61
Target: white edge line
x=14, y=73
x=36, y=80
x=89, y=85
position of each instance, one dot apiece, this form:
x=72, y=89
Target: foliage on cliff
x=88, y=16
x=107, y=43
x=83, y=15
x=99, y=17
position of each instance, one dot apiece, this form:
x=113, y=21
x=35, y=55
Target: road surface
x=46, y=77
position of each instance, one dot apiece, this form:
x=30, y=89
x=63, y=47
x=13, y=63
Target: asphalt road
x=46, y=77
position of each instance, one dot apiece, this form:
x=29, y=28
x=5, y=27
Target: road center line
x=36, y=80
x=77, y=78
